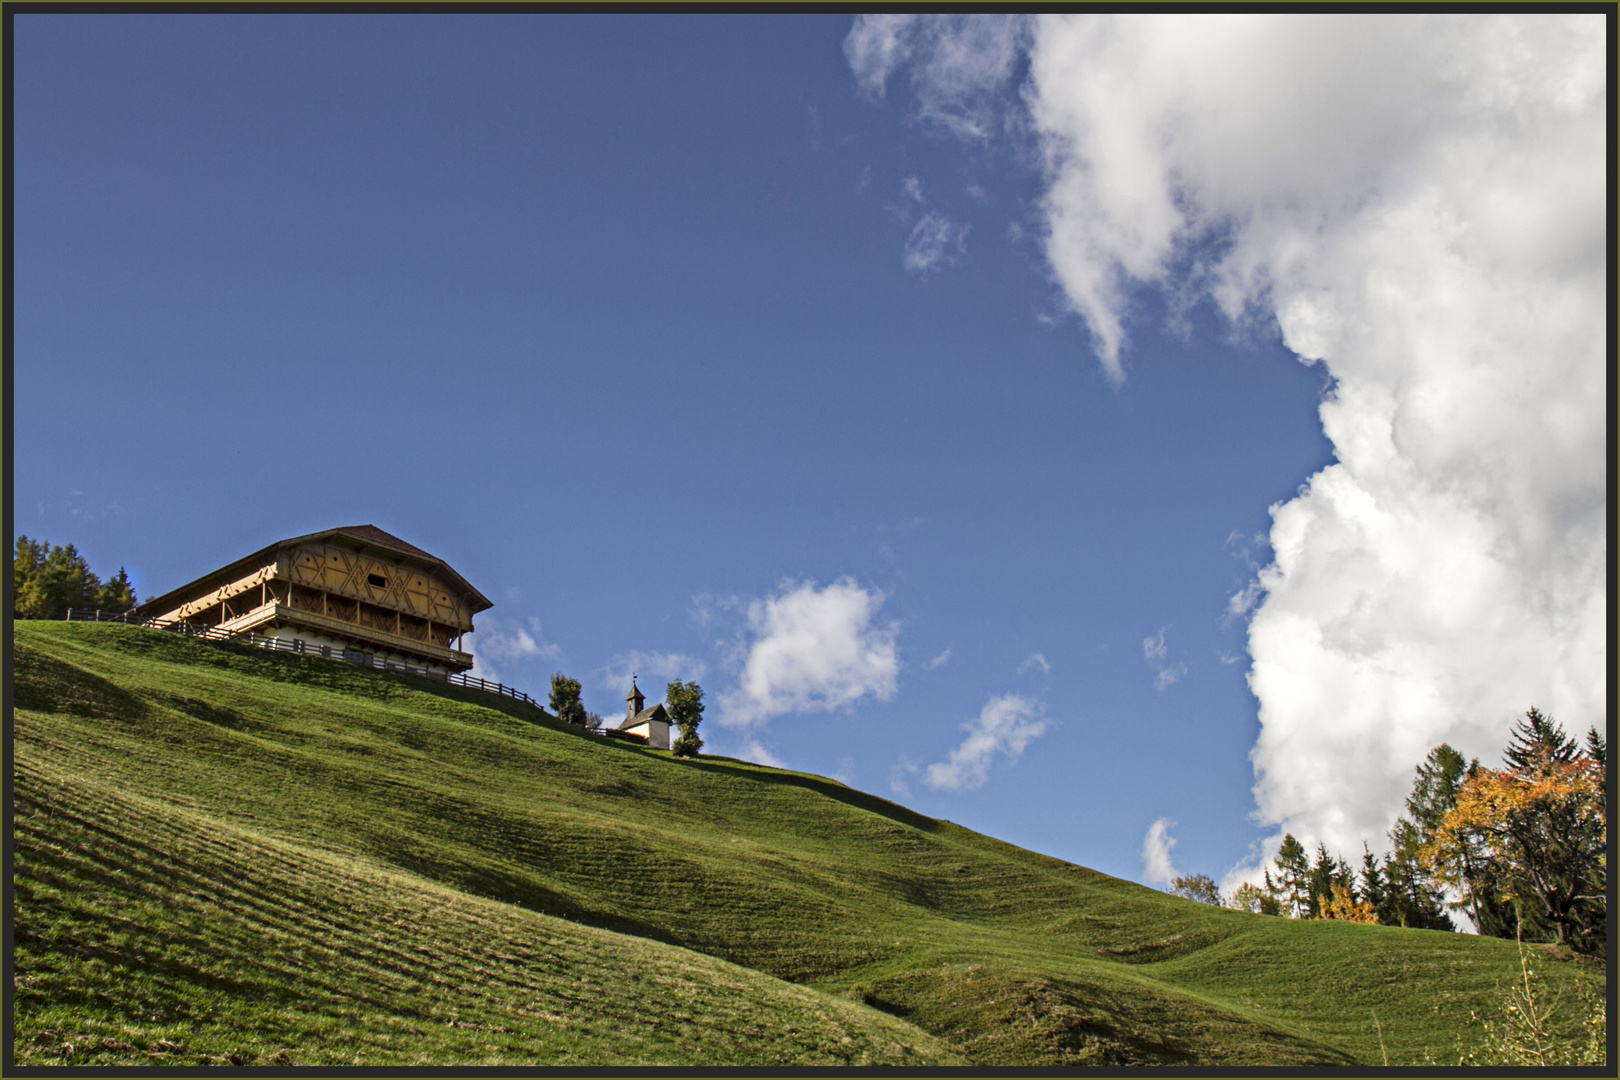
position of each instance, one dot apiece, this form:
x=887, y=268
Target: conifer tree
x=46, y=581
x=1319, y=887
x=1373, y=887
x=117, y=595
x=1293, y=875
x=1536, y=743
x=1539, y=829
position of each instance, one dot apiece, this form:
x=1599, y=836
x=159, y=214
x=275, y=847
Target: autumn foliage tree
x=1538, y=827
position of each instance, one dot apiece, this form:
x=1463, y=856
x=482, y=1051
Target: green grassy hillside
x=242, y=857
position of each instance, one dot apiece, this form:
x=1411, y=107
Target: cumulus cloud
x=1156, y=845
x=935, y=241
x=1005, y=726
x=1035, y=660
x=1418, y=203
x=812, y=649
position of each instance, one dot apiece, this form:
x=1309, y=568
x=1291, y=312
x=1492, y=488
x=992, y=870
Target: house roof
x=360, y=536
x=654, y=713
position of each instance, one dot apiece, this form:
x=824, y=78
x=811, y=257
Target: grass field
x=237, y=857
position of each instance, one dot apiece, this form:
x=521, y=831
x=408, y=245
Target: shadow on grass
x=43, y=683
x=829, y=788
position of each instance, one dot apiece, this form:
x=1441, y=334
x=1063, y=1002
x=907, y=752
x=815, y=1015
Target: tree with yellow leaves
x=1539, y=827
x=1343, y=905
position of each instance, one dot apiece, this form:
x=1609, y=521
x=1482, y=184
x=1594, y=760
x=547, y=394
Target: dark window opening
x=377, y=580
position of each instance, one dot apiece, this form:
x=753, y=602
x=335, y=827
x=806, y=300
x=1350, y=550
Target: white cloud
x=1420, y=203
x=1157, y=654
x=755, y=751
x=1153, y=647
x=1005, y=726
x=1169, y=675
x=935, y=241
x=1035, y=660
x=939, y=660
x=1156, y=845
x=898, y=787
x=655, y=670
x=498, y=639
x=957, y=63
x=913, y=188
x=812, y=650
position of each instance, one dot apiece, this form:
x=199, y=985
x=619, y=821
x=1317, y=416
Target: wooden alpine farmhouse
x=354, y=588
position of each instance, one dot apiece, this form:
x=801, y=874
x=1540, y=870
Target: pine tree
x=1373, y=888
x=1596, y=748
x=1319, y=887
x=47, y=581
x=1537, y=741
x=1537, y=830
x=117, y=595
x=1293, y=875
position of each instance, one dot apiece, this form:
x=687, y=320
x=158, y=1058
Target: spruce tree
x=117, y=595
x=1319, y=887
x=1537, y=740
x=1373, y=888
x=1293, y=875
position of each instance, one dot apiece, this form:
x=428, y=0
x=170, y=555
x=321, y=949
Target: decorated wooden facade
x=356, y=587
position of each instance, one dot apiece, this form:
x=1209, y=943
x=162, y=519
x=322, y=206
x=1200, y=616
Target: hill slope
x=251, y=857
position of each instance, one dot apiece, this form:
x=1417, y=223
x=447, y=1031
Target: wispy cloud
x=1157, y=654
x=899, y=785
x=957, y=63
x=1034, y=662
x=810, y=649
x=1153, y=647
x=939, y=661
x=1156, y=866
x=912, y=188
x=935, y=241
x=498, y=639
x=755, y=751
x=1005, y=726
x=654, y=669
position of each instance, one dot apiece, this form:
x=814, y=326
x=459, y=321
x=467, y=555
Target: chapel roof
x=650, y=713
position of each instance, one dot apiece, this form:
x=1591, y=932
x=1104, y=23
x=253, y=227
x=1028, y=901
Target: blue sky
x=728, y=348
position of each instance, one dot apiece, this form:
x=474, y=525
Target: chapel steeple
x=636, y=700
